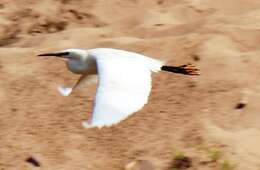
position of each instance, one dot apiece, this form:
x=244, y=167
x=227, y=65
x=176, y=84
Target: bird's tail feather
x=187, y=69
x=65, y=91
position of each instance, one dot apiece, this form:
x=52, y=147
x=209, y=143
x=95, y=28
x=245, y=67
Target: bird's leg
x=66, y=91
x=79, y=82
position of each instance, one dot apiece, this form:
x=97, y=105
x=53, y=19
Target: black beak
x=58, y=54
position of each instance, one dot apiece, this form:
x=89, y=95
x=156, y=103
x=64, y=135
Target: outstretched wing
x=124, y=87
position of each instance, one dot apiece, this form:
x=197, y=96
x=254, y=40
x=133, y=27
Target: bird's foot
x=189, y=69
x=64, y=91
x=86, y=124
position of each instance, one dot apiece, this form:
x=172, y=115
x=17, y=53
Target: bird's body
x=88, y=64
x=124, y=80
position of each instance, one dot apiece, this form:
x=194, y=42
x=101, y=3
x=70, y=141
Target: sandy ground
x=188, y=114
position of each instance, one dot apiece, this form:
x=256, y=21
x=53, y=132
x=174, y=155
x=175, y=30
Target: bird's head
x=70, y=54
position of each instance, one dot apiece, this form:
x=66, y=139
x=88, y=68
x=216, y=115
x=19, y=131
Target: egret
x=124, y=80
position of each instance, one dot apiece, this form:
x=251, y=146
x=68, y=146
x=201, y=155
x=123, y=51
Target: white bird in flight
x=124, y=80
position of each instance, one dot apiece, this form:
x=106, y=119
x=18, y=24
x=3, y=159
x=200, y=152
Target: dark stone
x=195, y=57
x=182, y=163
x=33, y=161
x=240, y=105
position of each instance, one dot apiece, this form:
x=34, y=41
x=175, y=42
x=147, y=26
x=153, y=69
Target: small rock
x=2, y=6
x=240, y=105
x=195, y=57
x=160, y=2
x=182, y=163
x=158, y=24
x=14, y=109
x=33, y=161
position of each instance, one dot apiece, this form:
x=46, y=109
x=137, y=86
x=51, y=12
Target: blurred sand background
x=185, y=114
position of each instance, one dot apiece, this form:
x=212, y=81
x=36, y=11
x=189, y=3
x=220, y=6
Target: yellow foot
x=189, y=69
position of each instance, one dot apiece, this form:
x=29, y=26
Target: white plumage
x=124, y=84
x=124, y=81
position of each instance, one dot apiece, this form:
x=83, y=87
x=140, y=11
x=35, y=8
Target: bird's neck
x=77, y=66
